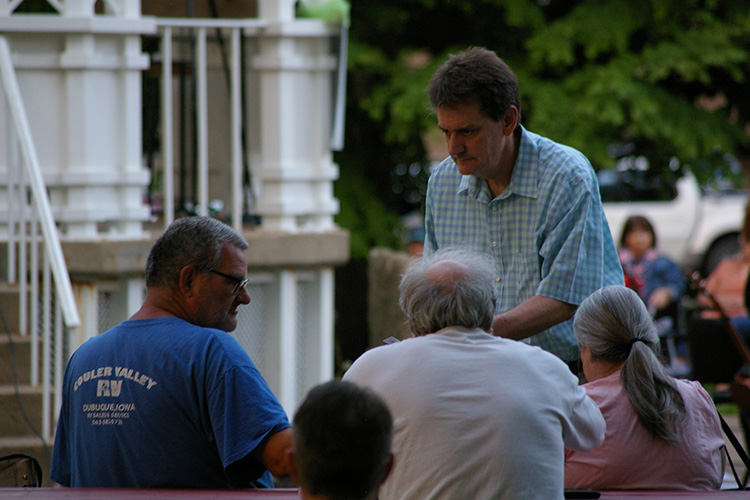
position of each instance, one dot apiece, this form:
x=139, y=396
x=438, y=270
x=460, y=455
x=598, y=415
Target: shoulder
x=551, y=153
x=608, y=387
x=373, y=359
x=562, y=170
x=692, y=390
x=189, y=341
x=536, y=359
x=375, y=354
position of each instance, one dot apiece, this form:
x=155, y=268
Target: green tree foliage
x=668, y=76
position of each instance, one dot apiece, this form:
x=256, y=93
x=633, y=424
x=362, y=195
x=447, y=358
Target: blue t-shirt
x=162, y=403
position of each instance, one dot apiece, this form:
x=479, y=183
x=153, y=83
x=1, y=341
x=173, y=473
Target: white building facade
x=263, y=96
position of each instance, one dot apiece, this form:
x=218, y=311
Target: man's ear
x=187, y=280
x=510, y=120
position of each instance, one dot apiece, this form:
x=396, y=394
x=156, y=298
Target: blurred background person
x=662, y=433
x=727, y=283
x=659, y=281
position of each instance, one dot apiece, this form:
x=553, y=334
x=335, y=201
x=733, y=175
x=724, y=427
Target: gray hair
x=467, y=301
x=195, y=241
x=614, y=324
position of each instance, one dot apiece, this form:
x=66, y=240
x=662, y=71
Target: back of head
x=342, y=441
x=452, y=287
x=476, y=74
x=195, y=241
x=614, y=324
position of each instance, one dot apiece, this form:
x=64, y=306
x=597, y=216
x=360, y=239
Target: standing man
x=342, y=443
x=475, y=416
x=168, y=398
x=531, y=204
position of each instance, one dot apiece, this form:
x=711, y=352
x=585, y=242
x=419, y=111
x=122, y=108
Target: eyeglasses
x=239, y=283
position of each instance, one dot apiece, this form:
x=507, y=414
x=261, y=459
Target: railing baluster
x=167, y=133
x=30, y=230
x=59, y=360
x=23, y=259
x=236, y=131
x=14, y=199
x=201, y=103
x=46, y=349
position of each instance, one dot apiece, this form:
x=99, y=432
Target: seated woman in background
x=662, y=433
x=727, y=283
x=657, y=279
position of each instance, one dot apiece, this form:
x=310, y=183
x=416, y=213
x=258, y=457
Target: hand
x=660, y=298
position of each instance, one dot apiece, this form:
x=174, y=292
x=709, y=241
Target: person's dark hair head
x=476, y=74
x=614, y=324
x=195, y=241
x=436, y=293
x=342, y=441
x=637, y=222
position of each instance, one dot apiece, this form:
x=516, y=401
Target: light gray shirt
x=478, y=416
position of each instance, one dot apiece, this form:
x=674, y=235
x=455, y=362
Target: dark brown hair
x=476, y=74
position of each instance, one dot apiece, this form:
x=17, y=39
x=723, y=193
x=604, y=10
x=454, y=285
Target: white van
x=696, y=227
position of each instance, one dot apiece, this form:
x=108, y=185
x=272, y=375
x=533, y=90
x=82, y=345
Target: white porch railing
x=309, y=172
x=30, y=227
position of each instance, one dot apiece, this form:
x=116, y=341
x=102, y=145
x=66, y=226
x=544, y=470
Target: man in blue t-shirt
x=168, y=398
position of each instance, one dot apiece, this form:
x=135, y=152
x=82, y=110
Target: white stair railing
x=31, y=226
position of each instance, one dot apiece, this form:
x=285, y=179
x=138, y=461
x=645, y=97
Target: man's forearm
x=531, y=317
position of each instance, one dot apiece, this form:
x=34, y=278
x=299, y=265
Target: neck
x=158, y=304
x=598, y=368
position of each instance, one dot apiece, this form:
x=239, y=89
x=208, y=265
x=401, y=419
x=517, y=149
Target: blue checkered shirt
x=546, y=232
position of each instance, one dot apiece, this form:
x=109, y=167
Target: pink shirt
x=630, y=458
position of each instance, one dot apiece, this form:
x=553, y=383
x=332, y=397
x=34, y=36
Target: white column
x=288, y=340
x=293, y=168
x=134, y=294
x=87, y=300
x=325, y=322
x=276, y=10
x=80, y=80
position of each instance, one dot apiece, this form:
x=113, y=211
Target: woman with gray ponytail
x=662, y=433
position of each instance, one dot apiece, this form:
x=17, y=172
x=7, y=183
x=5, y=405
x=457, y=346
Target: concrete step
x=13, y=422
x=15, y=348
x=30, y=446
